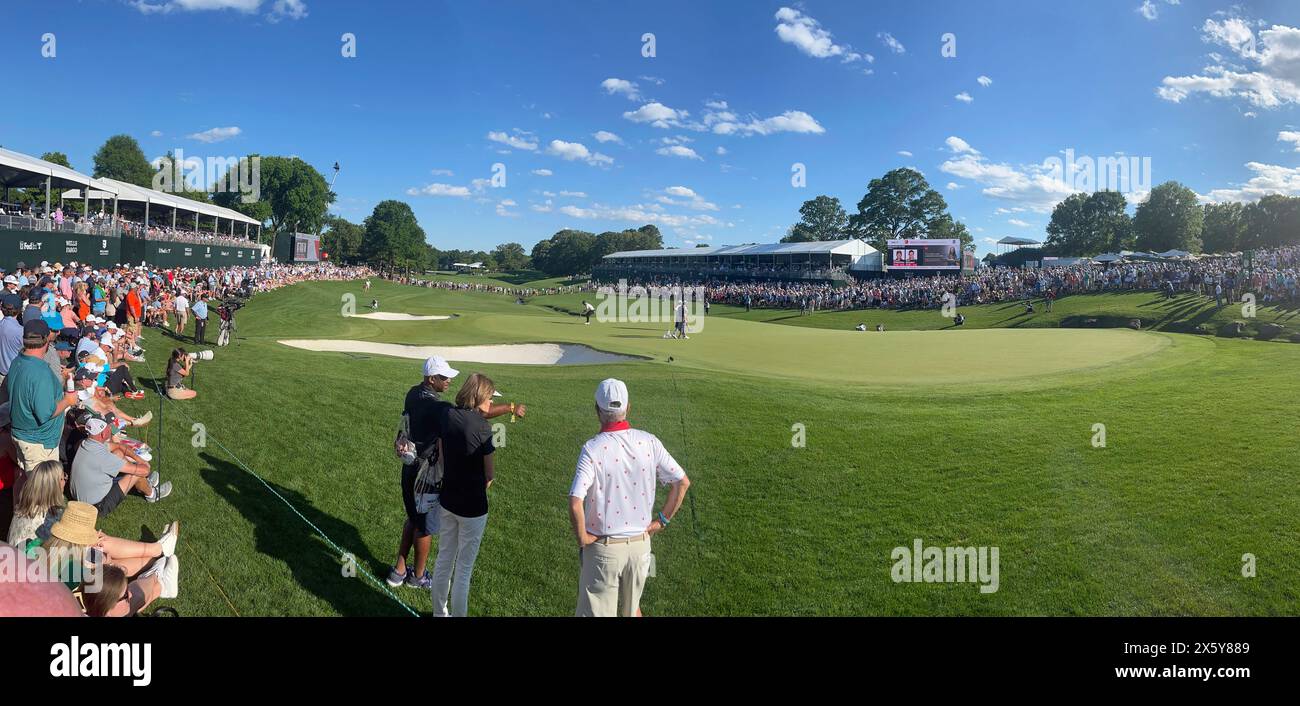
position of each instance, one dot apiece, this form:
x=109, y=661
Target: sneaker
x=170, y=577
x=395, y=579
x=424, y=582
x=160, y=492
x=139, y=395
x=169, y=537
x=153, y=477
x=144, y=455
x=144, y=418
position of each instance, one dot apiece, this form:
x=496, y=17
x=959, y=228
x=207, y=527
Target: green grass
x=975, y=437
x=518, y=278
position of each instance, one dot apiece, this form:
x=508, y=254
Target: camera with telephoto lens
x=200, y=355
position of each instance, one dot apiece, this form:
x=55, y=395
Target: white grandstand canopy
x=854, y=248
x=138, y=194
x=18, y=170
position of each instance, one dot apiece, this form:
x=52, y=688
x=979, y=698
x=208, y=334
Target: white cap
x=611, y=395
x=437, y=366
x=112, y=326
x=10, y=279
x=95, y=426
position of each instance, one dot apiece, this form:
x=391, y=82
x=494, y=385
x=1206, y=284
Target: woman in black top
x=467, y=454
x=178, y=367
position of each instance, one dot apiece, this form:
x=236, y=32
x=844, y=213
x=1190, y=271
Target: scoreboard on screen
x=931, y=254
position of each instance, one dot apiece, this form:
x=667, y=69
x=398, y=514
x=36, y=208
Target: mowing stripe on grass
x=163, y=397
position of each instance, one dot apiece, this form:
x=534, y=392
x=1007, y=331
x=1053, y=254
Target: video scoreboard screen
x=931, y=254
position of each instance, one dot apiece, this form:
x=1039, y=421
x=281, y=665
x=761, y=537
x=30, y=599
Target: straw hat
x=77, y=524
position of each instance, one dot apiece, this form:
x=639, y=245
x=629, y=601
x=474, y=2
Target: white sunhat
x=611, y=395
x=436, y=365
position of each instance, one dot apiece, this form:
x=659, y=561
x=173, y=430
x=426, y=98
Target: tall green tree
x=1169, y=219
x=342, y=240
x=393, y=236
x=1272, y=221
x=121, y=158
x=821, y=218
x=292, y=195
x=510, y=256
x=1225, y=227
x=900, y=204
x=1089, y=224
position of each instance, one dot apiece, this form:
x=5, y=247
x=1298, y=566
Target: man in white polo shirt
x=611, y=504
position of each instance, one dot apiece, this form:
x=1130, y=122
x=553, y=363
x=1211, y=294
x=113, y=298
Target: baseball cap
x=436, y=365
x=611, y=395
x=36, y=328
x=95, y=426
x=10, y=279
x=85, y=373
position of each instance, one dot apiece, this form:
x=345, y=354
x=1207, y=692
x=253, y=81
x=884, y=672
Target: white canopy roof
x=139, y=194
x=20, y=170
x=854, y=247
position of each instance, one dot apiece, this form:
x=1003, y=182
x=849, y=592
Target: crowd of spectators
x=1271, y=276
x=69, y=336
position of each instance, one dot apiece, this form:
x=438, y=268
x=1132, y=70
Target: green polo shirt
x=34, y=392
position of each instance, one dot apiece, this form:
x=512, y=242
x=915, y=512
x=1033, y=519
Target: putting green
x=891, y=358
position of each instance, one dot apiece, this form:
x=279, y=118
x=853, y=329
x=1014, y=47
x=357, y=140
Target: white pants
x=458, y=542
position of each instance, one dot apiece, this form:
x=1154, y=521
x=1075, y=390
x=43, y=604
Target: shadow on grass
x=280, y=534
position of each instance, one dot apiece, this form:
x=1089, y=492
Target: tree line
x=1171, y=218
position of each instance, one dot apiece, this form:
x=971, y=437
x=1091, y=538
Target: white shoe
x=169, y=537
x=170, y=577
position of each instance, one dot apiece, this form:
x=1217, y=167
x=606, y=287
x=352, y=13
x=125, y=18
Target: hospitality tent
x=131, y=193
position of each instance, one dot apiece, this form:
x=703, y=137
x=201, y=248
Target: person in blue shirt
x=11, y=344
x=200, y=310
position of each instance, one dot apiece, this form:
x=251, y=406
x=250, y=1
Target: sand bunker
x=509, y=354
x=388, y=316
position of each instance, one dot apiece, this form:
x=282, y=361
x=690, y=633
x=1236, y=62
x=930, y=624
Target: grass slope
x=929, y=434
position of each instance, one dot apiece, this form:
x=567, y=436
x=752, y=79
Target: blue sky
x=707, y=130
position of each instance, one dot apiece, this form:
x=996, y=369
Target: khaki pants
x=29, y=454
x=613, y=577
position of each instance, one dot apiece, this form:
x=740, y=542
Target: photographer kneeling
x=179, y=367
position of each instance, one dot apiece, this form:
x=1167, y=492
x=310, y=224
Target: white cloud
x=216, y=134
x=441, y=172
x=904, y=153
x=156, y=133
x=543, y=208
x=888, y=40
x=621, y=87
x=790, y=121
x=721, y=151
x=674, y=195
x=958, y=145
x=603, y=136
x=440, y=190
x=652, y=79
x=715, y=105
x=574, y=194
x=657, y=114
x=964, y=97
x=504, y=206
x=679, y=151
x=1148, y=10
x=1020, y=223
x=807, y=35
x=1268, y=179
x=985, y=81
x=954, y=186
x=287, y=9
x=520, y=140
x=576, y=151
x=1269, y=78
x=1033, y=186
x=641, y=213
x=543, y=172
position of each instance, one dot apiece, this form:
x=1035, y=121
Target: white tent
x=151, y=197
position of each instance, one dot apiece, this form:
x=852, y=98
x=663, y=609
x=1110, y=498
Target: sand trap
x=509, y=354
x=389, y=316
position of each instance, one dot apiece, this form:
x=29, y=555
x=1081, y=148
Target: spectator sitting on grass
x=74, y=540
x=103, y=472
x=96, y=398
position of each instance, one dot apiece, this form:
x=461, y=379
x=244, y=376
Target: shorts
x=418, y=520
x=110, y=502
